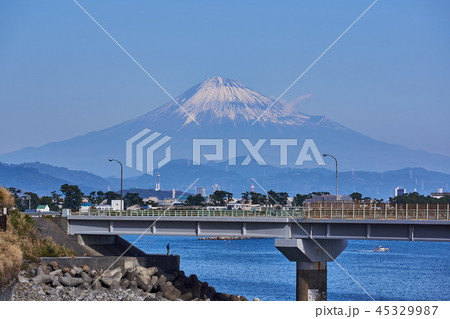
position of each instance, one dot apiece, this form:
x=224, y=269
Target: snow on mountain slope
x=217, y=98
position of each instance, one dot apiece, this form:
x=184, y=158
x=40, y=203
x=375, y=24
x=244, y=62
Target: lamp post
x=121, y=181
x=325, y=155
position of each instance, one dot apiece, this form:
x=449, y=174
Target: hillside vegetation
x=21, y=242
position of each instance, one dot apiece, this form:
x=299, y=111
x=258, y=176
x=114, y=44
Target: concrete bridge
x=310, y=236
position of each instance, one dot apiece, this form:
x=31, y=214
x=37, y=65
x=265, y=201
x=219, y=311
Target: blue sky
x=388, y=77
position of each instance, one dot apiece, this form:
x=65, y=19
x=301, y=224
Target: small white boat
x=381, y=249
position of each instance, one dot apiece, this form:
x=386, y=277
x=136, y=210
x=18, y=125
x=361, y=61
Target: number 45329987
x=406, y=310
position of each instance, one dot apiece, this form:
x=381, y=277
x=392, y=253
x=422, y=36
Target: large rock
x=186, y=296
x=161, y=280
x=124, y=284
x=93, y=273
x=114, y=285
x=40, y=271
x=108, y=280
x=96, y=285
x=112, y=272
x=196, y=290
x=57, y=272
x=55, y=282
x=179, y=284
x=71, y=282
x=140, y=283
x=133, y=285
x=53, y=264
x=159, y=295
x=164, y=287
x=146, y=273
x=221, y=297
x=78, y=270
x=84, y=286
x=86, y=278
x=171, y=277
x=172, y=293
x=129, y=275
x=43, y=279
x=154, y=280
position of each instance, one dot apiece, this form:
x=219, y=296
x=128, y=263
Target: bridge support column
x=311, y=258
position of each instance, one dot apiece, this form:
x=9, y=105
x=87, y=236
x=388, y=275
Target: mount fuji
x=219, y=108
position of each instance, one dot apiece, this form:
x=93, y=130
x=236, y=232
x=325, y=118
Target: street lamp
x=121, y=181
x=325, y=155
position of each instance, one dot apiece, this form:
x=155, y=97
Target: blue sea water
x=255, y=268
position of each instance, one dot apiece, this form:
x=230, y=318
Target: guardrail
x=315, y=211
x=195, y=213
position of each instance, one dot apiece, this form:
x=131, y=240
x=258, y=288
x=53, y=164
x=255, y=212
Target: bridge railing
x=309, y=211
x=277, y=213
x=358, y=210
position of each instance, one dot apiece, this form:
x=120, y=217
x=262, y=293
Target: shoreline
x=52, y=282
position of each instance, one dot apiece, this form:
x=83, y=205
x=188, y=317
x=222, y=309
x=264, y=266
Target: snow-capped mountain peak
x=218, y=99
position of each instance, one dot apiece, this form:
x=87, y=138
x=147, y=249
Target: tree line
x=70, y=196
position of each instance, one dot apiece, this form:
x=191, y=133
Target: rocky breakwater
x=51, y=282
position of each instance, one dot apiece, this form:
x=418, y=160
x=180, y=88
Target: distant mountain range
x=220, y=108
x=43, y=178
x=179, y=174
x=227, y=109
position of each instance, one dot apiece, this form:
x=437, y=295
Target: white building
x=104, y=207
x=201, y=191
x=440, y=194
x=117, y=204
x=43, y=209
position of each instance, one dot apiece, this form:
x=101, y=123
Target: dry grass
x=22, y=242
x=33, y=246
x=6, y=200
x=10, y=258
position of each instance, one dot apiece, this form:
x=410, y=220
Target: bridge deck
x=295, y=223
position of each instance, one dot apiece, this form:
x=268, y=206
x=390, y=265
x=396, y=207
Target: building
x=239, y=206
x=84, y=208
x=104, y=207
x=329, y=199
x=399, y=191
x=134, y=207
x=117, y=204
x=43, y=209
x=440, y=194
x=215, y=187
x=201, y=191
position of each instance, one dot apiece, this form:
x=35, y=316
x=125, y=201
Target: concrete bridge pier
x=311, y=257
